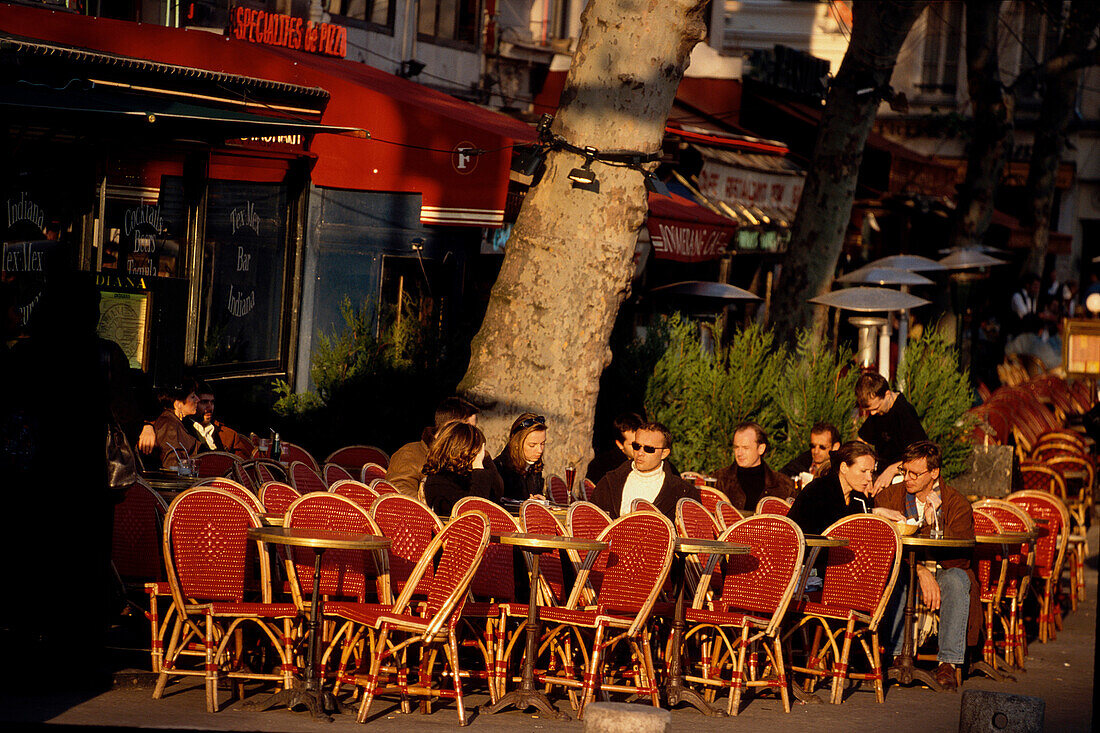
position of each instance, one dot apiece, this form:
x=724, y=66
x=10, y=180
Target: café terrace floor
x=1060, y=672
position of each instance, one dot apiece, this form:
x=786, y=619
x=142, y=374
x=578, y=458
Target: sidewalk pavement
x=1061, y=672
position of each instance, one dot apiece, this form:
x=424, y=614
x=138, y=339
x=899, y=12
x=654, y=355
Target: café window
x=144, y=230
x=377, y=13
x=243, y=268
x=448, y=20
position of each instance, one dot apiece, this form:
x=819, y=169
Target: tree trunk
x=878, y=29
x=1058, y=110
x=568, y=263
x=992, y=135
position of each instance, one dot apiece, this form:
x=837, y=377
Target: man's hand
x=929, y=588
x=892, y=515
x=885, y=478
x=147, y=441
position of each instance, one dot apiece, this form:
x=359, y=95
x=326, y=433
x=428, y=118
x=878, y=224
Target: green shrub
x=941, y=395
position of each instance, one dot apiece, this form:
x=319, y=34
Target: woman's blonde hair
x=524, y=425
x=454, y=448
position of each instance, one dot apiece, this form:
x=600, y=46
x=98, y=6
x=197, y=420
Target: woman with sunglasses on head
x=457, y=467
x=520, y=463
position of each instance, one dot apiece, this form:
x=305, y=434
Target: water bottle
x=276, y=448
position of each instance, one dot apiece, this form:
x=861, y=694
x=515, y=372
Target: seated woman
x=520, y=463
x=455, y=468
x=173, y=435
x=845, y=490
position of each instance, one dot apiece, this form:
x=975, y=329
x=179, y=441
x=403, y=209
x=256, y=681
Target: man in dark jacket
x=891, y=427
x=647, y=477
x=749, y=478
x=213, y=434
x=824, y=439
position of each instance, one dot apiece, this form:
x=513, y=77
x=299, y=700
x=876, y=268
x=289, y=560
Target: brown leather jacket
x=958, y=523
x=775, y=484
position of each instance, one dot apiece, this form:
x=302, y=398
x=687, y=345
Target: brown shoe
x=945, y=676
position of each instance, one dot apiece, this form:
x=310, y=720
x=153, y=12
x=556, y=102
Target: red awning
x=420, y=138
x=682, y=230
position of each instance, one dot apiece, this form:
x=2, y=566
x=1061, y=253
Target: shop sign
x=286, y=31
x=687, y=243
x=745, y=186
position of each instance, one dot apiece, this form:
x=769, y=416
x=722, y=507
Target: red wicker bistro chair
x=557, y=490
x=1020, y=561
x=269, y=471
x=587, y=521
x=233, y=487
x=370, y=471
x=1052, y=519
x=305, y=479
x=277, y=497
x=494, y=584
x=991, y=570
x=410, y=526
x=216, y=463
x=382, y=486
x=710, y=497
x=245, y=474
x=349, y=575
x=334, y=472
x=694, y=521
x=206, y=554
x=455, y=554
x=361, y=494
x=292, y=452
x=727, y=514
x=587, y=487
x=858, y=582
x=773, y=505
x=635, y=567
x=749, y=608
x=354, y=457
x=137, y=560
x=643, y=505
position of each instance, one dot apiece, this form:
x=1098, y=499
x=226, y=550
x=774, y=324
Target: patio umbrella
x=705, y=289
x=913, y=263
x=874, y=275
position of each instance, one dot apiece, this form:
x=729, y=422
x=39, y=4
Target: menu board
x=242, y=278
x=143, y=234
x=1081, y=346
x=124, y=319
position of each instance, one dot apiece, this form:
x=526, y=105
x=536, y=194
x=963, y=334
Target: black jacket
x=608, y=494
x=443, y=490
x=822, y=502
x=893, y=431
x=518, y=486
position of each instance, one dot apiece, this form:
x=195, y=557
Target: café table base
x=522, y=699
x=907, y=673
x=990, y=671
x=319, y=702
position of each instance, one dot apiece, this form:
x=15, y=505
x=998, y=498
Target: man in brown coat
x=749, y=478
x=408, y=460
x=951, y=588
x=213, y=434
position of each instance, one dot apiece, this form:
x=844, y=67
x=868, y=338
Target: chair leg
x=840, y=674
x=651, y=671
x=739, y=672
x=593, y=673
x=372, y=676
x=876, y=669
x=780, y=674
x=211, y=667
x=170, y=660
x=452, y=660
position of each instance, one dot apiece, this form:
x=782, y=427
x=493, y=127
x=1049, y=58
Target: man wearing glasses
x=749, y=478
x=647, y=477
x=952, y=587
x=824, y=439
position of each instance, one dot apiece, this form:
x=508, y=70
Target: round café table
x=312, y=693
x=905, y=671
x=675, y=689
x=526, y=695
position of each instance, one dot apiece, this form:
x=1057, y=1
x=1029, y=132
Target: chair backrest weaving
x=135, y=541
x=1052, y=519
x=557, y=489
x=410, y=527
x=215, y=463
x=344, y=573
x=464, y=542
x=334, y=472
x=382, y=486
x=293, y=452
x=861, y=575
x=709, y=498
x=496, y=576
x=727, y=514
x=305, y=479
x=277, y=497
x=361, y=494
x=354, y=457
x=636, y=562
x=762, y=581
x=537, y=519
x=371, y=471
x=772, y=505
x=643, y=505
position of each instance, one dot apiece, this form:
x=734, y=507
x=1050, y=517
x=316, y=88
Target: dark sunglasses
x=647, y=448
x=528, y=422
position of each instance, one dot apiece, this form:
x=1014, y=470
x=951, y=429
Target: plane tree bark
x=567, y=266
x=879, y=28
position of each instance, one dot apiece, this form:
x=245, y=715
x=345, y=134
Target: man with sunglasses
x=824, y=439
x=648, y=476
x=749, y=478
x=951, y=588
